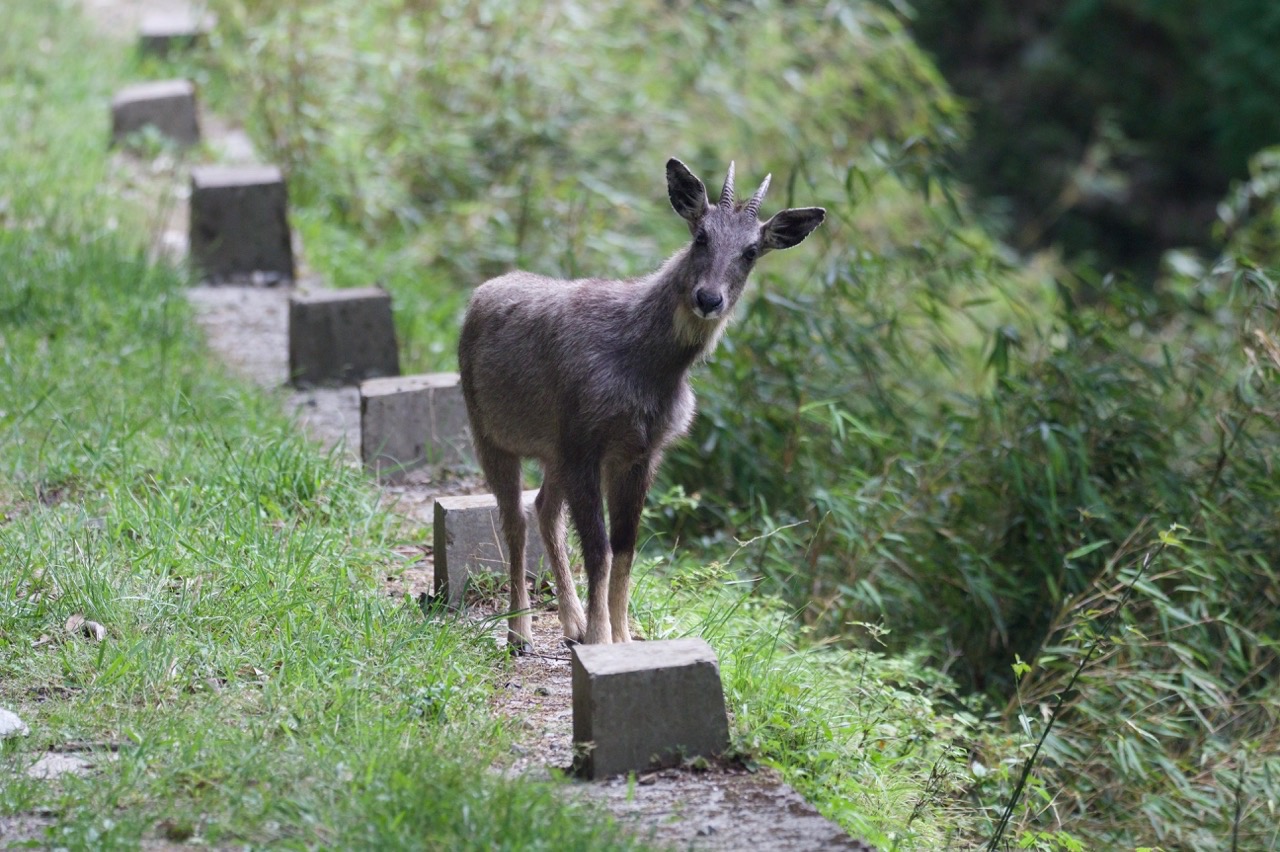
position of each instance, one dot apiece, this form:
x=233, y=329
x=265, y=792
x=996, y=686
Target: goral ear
x=688, y=195
x=790, y=227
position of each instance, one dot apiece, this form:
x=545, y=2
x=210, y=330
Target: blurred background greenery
x=1039, y=327
x=1111, y=128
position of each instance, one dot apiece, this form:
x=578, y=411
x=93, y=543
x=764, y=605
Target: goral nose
x=707, y=301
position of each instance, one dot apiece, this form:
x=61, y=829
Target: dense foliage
x=958, y=454
x=1110, y=127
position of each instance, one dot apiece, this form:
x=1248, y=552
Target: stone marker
x=645, y=704
x=167, y=105
x=162, y=33
x=341, y=337
x=53, y=765
x=410, y=421
x=239, y=224
x=468, y=540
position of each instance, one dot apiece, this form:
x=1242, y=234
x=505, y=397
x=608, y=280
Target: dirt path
x=723, y=807
x=720, y=808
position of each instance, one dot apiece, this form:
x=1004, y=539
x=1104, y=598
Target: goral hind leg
x=502, y=470
x=551, y=521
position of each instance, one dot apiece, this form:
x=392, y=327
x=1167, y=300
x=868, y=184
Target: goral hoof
x=517, y=646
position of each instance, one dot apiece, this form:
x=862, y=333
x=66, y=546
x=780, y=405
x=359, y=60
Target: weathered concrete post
x=407, y=422
x=240, y=224
x=162, y=33
x=646, y=704
x=339, y=337
x=468, y=540
x=167, y=105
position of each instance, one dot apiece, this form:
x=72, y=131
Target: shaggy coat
x=590, y=377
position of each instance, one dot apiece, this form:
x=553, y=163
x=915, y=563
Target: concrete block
x=341, y=337
x=468, y=540
x=645, y=704
x=163, y=33
x=167, y=105
x=240, y=225
x=407, y=422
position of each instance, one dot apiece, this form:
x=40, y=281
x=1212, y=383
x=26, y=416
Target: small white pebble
x=11, y=725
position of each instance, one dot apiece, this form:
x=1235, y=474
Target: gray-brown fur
x=590, y=377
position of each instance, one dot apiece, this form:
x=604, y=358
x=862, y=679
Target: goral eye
x=700, y=239
x=750, y=253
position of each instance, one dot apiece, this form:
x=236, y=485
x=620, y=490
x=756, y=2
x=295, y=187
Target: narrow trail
x=720, y=808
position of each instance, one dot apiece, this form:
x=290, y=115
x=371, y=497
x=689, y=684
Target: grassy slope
x=875, y=742
x=258, y=687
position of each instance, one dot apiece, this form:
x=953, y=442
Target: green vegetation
x=968, y=452
x=877, y=741
x=1108, y=127
x=949, y=465
x=254, y=685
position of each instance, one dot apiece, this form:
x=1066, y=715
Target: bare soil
x=24, y=829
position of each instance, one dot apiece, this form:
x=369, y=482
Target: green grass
x=257, y=682
x=947, y=442
x=878, y=743
x=255, y=685
x=938, y=443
